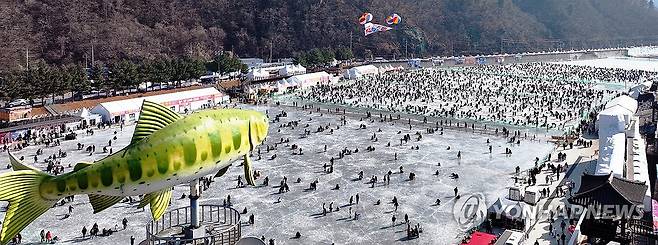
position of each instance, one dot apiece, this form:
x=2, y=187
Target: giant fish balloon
x=365, y=18
x=166, y=149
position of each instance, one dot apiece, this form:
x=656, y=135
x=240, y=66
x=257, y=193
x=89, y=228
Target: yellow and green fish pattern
x=167, y=149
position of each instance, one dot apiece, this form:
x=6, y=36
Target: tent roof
x=366, y=69
x=616, y=110
x=314, y=75
x=84, y=113
x=135, y=103
x=623, y=101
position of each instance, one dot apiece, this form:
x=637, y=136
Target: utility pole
x=406, y=51
x=92, y=55
x=351, y=42
x=271, y=43
x=27, y=58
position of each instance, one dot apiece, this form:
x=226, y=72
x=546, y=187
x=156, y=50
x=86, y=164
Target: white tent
x=311, y=79
x=257, y=74
x=359, y=71
x=624, y=101
x=300, y=69
x=89, y=118
x=281, y=84
x=613, y=122
x=611, y=155
x=616, y=115
x=84, y=113
x=287, y=70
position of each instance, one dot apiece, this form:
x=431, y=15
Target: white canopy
x=611, y=155
x=84, y=113
x=309, y=80
x=257, y=74
x=300, y=69
x=624, y=101
x=613, y=122
x=287, y=70
x=359, y=71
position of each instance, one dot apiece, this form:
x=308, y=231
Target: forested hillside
x=64, y=31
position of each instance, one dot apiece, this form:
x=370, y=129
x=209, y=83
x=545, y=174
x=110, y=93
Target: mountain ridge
x=61, y=31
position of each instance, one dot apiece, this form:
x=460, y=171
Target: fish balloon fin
x=152, y=117
x=159, y=201
x=101, y=202
x=248, y=172
x=21, y=189
x=222, y=171
x=18, y=165
x=81, y=165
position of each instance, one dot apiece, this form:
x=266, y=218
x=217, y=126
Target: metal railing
x=222, y=226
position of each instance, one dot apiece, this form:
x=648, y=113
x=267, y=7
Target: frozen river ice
x=626, y=63
x=300, y=210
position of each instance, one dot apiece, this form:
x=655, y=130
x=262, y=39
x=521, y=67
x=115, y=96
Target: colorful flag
x=371, y=28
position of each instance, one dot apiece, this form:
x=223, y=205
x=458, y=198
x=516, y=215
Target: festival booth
x=360, y=71
x=257, y=74
x=281, y=86
x=300, y=69
x=309, y=80
x=88, y=118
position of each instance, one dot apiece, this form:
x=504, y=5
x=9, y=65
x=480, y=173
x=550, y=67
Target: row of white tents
x=360, y=71
x=621, y=147
x=614, y=121
x=291, y=70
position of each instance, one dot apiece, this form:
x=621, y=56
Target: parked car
x=18, y=102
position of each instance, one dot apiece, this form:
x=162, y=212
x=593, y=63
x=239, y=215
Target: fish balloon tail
x=21, y=189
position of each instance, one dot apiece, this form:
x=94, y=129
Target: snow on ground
x=300, y=210
x=626, y=63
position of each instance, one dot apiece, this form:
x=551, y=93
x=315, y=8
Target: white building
x=185, y=101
